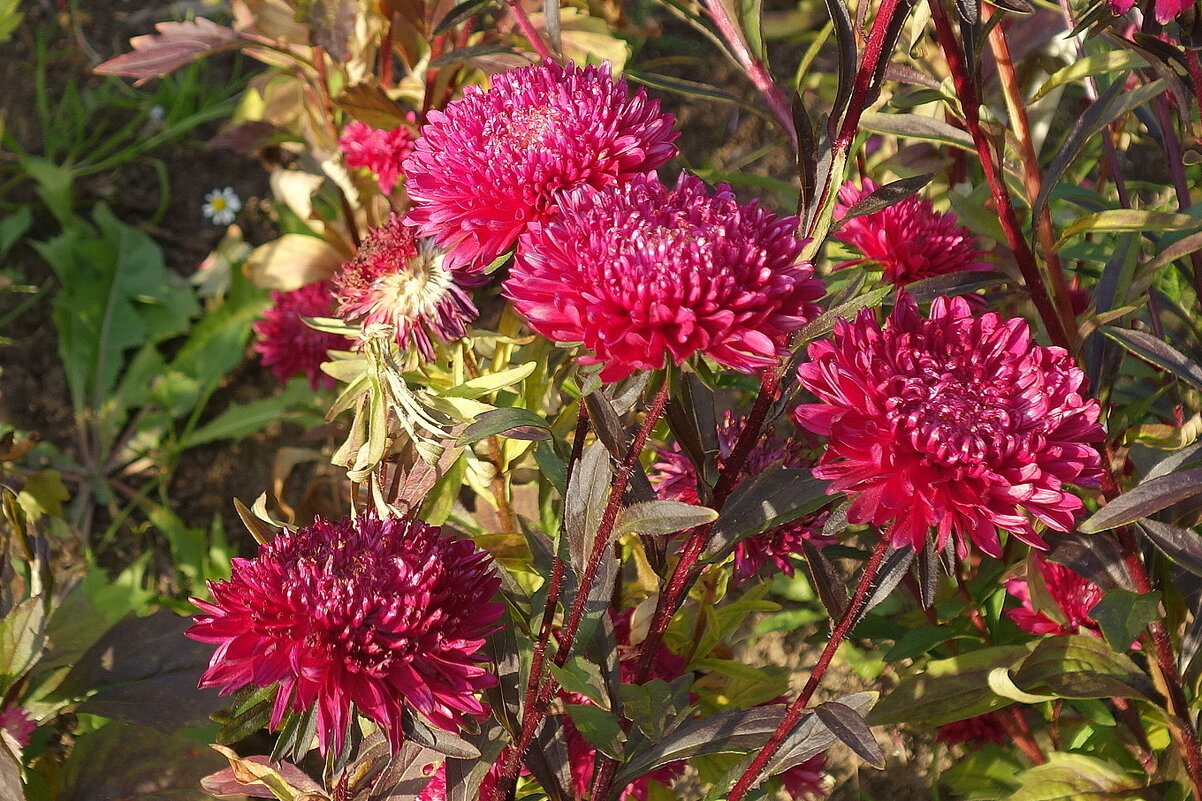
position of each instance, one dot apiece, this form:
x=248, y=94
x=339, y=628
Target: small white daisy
x=221, y=206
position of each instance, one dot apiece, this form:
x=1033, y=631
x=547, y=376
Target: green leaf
x=582, y=677
x=243, y=419
x=987, y=774
x=135, y=763
x=662, y=517
x=599, y=727
x=13, y=227
x=1145, y=499
x=681, y=86
x=948, y=690
x=22, y=635
x=1121, y=220
x=1073, y=777
x=1081, y=666
x=487, y=384
x=1156, y=352
x=1123, y=615
x=1096, y=64
x=511, y=421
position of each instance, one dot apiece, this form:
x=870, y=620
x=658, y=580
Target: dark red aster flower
x=378, y=614
x=643, y=273
x=1163, y=10
x=676, y=480
x=955, y=423
x=806, y=781
x=378, y=150
x=976, y=731
x=396, y=280
x=287, y=345
x=1073, y=594
x=493, y=161
x=909, y=239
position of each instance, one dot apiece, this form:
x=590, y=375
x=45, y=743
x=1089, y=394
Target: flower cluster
x=493, y=161
x=396, y=280
x=643, y=273
x=288, y=345
x=676, y=480
x=955, y=423
x=909, y=239
x=1073, y=595
x=377, y=150
x=373, y=613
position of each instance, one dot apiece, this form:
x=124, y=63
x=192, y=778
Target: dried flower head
x=374, y=613
x=493, y=161
x=377, y=150
x=396, y=280
x=675, y=478
x=642, y=273
x=909, y=239
x=955, y=423
x=287, y=345
x=1073, y=594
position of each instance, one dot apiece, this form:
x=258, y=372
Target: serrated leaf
x=175, y=44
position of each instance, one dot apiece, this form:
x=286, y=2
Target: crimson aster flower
x=377, y=150
x=1073, y=594
x=1163, y=10
x=374, y=613
x=675, y=478
x=288, y=345
x=909, y=240
x=396, y=280
x=806, y=781
x=955, y=423
x=642, y=273
x=17, y=722
x=492, y=162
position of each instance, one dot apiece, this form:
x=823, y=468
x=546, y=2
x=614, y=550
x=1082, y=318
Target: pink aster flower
x=643, y=273
x=975, y=731
x=17, y=722
x=676, y=480
x=379, y=151
x=1073, y=595
x=955, y=423
x=394, y=279
x=493, y=161
x=378, y=614
x=909, y=239
x=287, y=345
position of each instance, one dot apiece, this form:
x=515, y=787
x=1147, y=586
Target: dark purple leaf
x=892, y=571
x=1123, y=615
x=368, y=103
x=465, y=776
x=849, y=726
x=693, y=422
x=333, y=23
x=435, y=738
x=608, y=425
x=1156, y=352
x=926, y=573
x=774, y=497
x=807, y=158
x=511, y=422
x=1145, y=499
x=961, y=283
x=175, y=44
x=1014, y=6
x=845, y=46
x=143, y=670
x=459, y=13
x=1081, y=666
x=885, y=196
x=1182, y=545
x=825, y=577
x=812, y=737
x=1096, y=557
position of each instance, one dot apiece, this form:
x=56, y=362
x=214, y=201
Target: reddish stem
x=866, y=83
x=967, y=92
x=527, y=29
x=752, y=774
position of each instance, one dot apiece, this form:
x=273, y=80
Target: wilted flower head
x=1073, y=594
x=642, y=273
x=955, y=423
x=287, y=345
x=676, y=480
x=975, y=731
x=17, y=722
x=378, y=150
x=221, y=206
x=378, y=614
x=909, y=239
x=493, y=161
x=396, y=280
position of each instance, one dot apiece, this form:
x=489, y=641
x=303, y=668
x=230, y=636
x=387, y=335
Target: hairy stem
x=527, y=29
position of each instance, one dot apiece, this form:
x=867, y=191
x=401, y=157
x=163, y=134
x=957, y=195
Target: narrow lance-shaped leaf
x=1145, y=499
x=885, y=196
x=1156, y=352
x=849, y=726
x=1182, y=545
